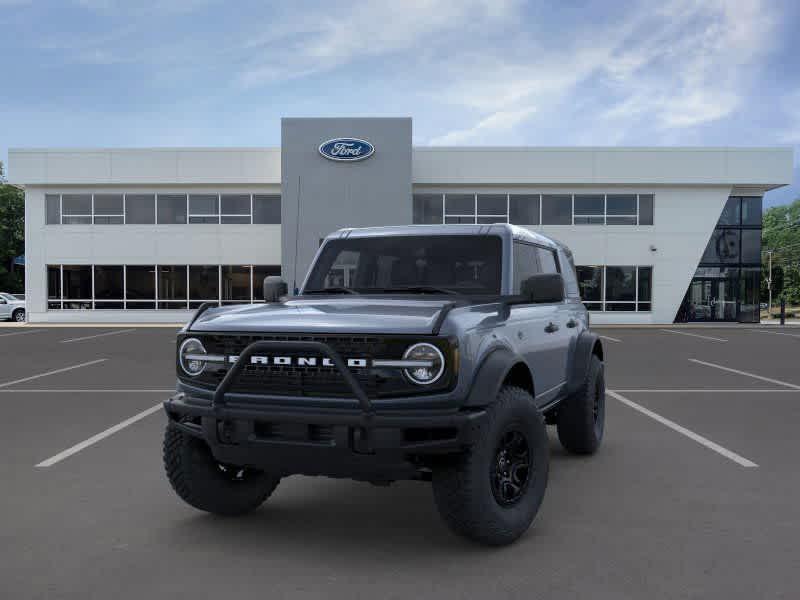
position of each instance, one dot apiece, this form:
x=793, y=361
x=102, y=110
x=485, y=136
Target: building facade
x=137, y=235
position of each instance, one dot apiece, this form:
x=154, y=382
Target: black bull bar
x=243, y=360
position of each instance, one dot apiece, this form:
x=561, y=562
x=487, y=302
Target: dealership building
x=145, y=235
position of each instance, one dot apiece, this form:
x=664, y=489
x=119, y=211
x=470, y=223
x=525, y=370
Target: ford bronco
x=428, y=352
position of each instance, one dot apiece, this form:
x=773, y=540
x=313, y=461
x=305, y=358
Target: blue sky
x=470, y=72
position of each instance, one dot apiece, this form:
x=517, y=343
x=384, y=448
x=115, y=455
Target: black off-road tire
x=465, y=487
x=18, y=316
x=581, y=417
x=205, y=484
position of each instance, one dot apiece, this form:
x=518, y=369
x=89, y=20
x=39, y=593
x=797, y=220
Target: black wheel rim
x=510, y=472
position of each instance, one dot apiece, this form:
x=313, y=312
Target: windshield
x=8, y=297
x=444, y=264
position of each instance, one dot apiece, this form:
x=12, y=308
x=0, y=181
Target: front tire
x=18, y=316
x=207, y=485
x=493, y=491
x=581, y=417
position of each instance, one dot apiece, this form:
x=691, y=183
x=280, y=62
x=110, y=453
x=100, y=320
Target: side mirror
x=543, y=288
x=274, y=288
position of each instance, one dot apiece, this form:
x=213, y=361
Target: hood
x=326, y=315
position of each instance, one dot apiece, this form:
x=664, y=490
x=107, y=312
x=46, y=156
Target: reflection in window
x=140, y=209
x=204, y=208
x=730, y=213
x=76, y=209
x=267, y=209
x=172, y=286
x=171, y=209
x=108, y=209
x=556, y=209
x=140, y=286
x=646, y=202
x=723, y=247
x=236, y=283
x=108, y=282
x=53, y=209
x=523, y=209
x=260, y=272
x=590, y=283
x=589, y=209
x=620, y=284
x=751, y=211
x=203, y=282
x=526, y=264
x=235, y=209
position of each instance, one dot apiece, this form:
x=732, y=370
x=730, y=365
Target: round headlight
x=191, y=355
x=424, y=374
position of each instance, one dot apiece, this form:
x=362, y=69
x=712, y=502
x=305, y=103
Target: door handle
x=572, y=323
x=551, y=327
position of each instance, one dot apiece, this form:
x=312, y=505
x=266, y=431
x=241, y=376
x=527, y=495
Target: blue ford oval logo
x=346, y=149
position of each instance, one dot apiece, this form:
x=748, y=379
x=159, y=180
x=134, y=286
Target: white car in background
x=12, y=308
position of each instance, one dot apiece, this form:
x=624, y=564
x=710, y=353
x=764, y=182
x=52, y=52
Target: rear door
x=563, y=326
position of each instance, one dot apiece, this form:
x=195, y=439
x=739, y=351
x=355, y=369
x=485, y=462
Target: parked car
x=763, y=306
x=12, y=308
x=429, y=352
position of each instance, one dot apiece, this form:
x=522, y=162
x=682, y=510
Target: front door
x=711, y=300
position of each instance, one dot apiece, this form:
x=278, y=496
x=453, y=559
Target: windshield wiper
x=420, y=289
x=331, y=290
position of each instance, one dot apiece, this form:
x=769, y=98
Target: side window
x=526, y=263
x=547, y=260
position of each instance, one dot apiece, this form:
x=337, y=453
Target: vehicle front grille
x=317, y=380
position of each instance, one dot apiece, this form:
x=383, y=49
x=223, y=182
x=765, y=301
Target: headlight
x=191, y=356
x=431, y=367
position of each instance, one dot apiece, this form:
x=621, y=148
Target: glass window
x=590, y=282
x=646, y=208
x=236, y=283
x=459, y=220
x=620, y=285
x=53, y=209
x=172, y=209
x=557, y=209
x=645, y=286
x=751, y=246
x=54, y=282
x=589, y=209
x=76, y=209
x=723, y=247
x=495, y=205
x=750, y=294
x=526, y=264
x=77, y=282
x=459, y=204
x=469, y=264
x=259, y=273
x=547, y=260
x=172, y=286
x=203, y=208
x=731, y=213
x=524, y=209
x=108, y=209
x=108, y=282
x=267, y=209
x=140, y=282
x=621, y=204
x=235, y=208
x=140, y=209
x=203, y=282
x=751, y=211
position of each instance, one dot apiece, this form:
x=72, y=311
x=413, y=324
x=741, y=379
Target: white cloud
x=496, y=122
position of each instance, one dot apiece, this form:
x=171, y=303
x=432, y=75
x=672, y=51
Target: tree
x=12, y=235
x=781, y=235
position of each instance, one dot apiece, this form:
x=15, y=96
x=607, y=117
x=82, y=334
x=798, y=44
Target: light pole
x=769, y=286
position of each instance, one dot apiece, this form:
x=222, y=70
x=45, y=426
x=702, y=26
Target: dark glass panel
x=557, y=209
x=140, y=209
x=172, y=209
x=459, y=204
x=751, y=211
x=524, y=209
x=492, y=204
x=589, y=204
x=203, y=282
x=54, y=282
x=620, y=306
x=621, y=204
x=77, y=282
x=76, y=204
x=172, y=282
x=723, y=247
x=644, y=307
x=108, y=282
x=646, y=209
x=590, y=282
x=751, y=246
x=234, y=220
x=140, y=282
x=53, y=209
x=750, y=295
x=620, y=284
x=526, y=264
x=459, y=220
x=236, y=204
x=731, y=212
x=236, y=283
x=612, y=220
x=107, y=204
x=259, y=273
x=267, y=209
x=106, y=305
x=645, y=284
x=203, y=204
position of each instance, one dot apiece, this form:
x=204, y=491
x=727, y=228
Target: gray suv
x=426, y=352
x=12, y=308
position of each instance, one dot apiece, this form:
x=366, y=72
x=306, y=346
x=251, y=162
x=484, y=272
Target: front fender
x=490, y=376
x=588, y=344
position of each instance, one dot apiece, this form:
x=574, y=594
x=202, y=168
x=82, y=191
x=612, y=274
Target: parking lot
x=694, y=493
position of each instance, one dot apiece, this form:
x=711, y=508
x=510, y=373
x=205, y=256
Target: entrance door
x=711, y=300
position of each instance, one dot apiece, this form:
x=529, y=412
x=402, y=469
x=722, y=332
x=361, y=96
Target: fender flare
x=588, y=344
x=490, y=376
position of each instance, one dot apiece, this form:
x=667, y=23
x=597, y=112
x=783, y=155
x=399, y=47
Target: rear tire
x=581, y=417
x=205, y=484
x=18, y=315
x=488, y=494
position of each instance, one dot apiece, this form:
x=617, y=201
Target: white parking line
x=91, y=337
x=24, y=379
x=697, y=335
x=110, y=391
x=795, y=335
x=706, y=391
x=740, y=460
x=609, y=338
x=22, y=332
x=746, y=374
x=49, y=462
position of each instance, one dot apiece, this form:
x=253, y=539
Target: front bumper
x=360, y=442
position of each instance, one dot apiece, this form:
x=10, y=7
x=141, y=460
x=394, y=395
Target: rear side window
x=530, y=260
